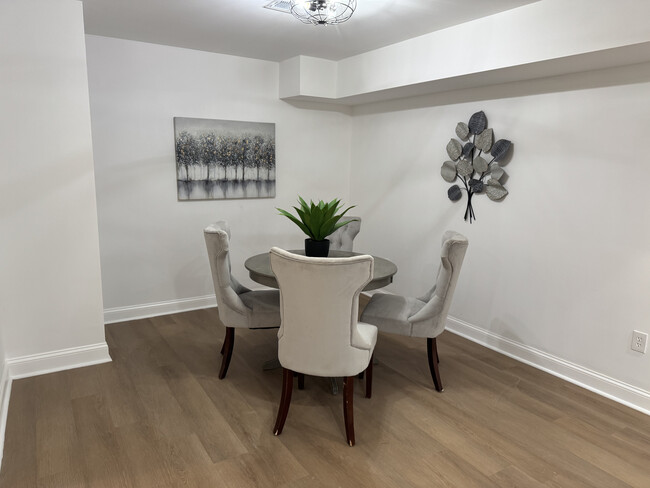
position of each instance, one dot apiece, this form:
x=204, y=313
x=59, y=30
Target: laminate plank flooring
x=158, y=416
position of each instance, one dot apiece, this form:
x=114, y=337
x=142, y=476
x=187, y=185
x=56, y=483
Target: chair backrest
x=430, y=320
x=319, y=303
x=232, y=311
x=343, y=237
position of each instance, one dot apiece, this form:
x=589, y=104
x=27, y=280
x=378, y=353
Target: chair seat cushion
x=264, y=306
x=390, y=313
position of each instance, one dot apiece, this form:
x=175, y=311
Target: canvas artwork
x=222, y=159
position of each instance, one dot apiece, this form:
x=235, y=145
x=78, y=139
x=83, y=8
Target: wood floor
x=157, y=416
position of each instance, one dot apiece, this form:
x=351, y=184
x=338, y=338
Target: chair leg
x=369, y=378
x=348, y=394
x=228, y=343
x=301, y=381
x=285, y=400
x=432, y=352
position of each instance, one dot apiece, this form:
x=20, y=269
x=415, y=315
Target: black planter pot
x=317, y=249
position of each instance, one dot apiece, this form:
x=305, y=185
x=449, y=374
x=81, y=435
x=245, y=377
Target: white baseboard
x=49, y=362
x=121, y=314
x=618, y=391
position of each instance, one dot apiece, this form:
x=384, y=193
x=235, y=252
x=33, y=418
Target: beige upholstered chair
x=238, y=306
x=425, y=316
x=341, y=239
x=320, y=334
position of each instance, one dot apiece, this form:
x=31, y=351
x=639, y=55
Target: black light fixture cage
x=323, y=12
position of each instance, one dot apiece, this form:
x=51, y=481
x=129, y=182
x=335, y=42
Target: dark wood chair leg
x=432, y=352
x=285, y=400
x=348, y=394
x=228, y=344
x=301, y=381
x=369, y=378
x=361, y=375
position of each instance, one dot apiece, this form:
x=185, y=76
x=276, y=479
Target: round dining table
x=259, y=269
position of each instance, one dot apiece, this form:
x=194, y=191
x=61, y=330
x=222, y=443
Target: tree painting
x=476, y=164
x=186, y=152
x=223, y=159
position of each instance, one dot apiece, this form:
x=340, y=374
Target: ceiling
x=245, y=28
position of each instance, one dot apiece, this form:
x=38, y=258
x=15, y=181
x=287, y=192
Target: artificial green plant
x=318, y=220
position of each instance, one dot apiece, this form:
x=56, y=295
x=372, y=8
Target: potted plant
x=317, y=221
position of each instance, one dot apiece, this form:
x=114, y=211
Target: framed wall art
x=224, y=159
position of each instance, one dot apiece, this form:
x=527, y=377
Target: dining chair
x=425, y=316
x=343, y=237
x=238, y=306
x=320, y=334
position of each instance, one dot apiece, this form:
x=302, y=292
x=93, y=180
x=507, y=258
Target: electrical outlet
x=639, y=341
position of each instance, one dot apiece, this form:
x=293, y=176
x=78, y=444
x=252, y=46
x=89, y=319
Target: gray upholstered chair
x=341, y=239
x=425, y=316
x=320, y=334
x=238, y=306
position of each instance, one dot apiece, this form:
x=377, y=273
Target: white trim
x=5, y=393
x=618, y=391
x=133, y=312
x=50, y=362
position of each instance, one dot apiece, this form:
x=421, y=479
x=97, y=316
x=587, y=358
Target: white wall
x=562, y=265
x=5, y=393
x=540, y=39
x=152, y=247
x=556, y=274
x=537, y=32
x=50, y=285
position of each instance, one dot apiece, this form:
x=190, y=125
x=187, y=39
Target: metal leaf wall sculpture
x=476, y=173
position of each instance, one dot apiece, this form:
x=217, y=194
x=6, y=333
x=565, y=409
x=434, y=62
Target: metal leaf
x=448, y=171
x=464, y=167
x=495, y=191
x=500, y=149
x=477, y=122
x=476, y=185
x=467, y=150
x=462, y=131
x=454, y=193
x=454, y=149
x=480, y=164
x=484, y=140
x=496, y=172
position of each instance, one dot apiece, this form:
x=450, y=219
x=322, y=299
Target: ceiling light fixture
x=323, y=12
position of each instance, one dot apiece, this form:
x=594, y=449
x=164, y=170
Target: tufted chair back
x=319, y=304
x=232, y=310
x=341, y=239
x=431, y=319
